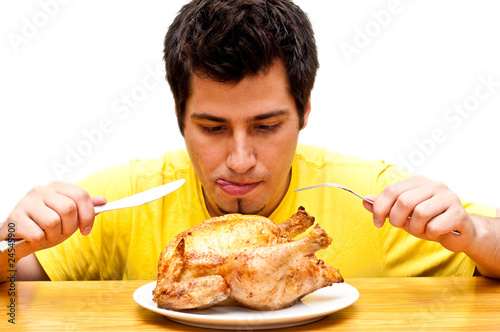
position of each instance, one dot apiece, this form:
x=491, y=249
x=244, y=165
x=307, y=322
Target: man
x=241, y=73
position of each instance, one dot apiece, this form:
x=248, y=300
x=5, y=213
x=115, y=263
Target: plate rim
x=349, y=296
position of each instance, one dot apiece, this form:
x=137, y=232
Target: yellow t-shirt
x=126, y=243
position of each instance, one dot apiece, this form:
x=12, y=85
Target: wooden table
x=385, y=304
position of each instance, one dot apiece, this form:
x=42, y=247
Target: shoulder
x=320, y=157
x=169, y=164
x=137, y=175
x=325, y=166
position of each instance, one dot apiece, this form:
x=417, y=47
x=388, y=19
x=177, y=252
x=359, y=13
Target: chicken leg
x=276, y=277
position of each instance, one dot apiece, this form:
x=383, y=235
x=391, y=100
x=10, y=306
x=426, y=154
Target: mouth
x=235, y=188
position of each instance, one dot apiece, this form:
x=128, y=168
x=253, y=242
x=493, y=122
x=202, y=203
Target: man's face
x=241, y=140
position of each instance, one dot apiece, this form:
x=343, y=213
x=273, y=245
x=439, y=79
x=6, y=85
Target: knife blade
x=141, y=198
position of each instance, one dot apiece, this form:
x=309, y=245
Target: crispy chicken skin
x=245, y=260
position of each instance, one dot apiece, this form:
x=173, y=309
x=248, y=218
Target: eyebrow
x=264, y=116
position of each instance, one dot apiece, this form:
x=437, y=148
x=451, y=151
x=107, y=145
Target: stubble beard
x=241, y=208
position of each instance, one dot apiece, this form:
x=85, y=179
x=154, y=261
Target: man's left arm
x=431, y=211
x=486, y=250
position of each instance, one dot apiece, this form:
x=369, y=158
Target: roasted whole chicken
x=243, y=260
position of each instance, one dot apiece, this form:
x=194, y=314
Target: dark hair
x=227, y=40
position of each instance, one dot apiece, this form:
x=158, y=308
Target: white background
x=67, y=66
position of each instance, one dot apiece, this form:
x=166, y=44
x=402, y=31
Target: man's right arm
x=45, y=217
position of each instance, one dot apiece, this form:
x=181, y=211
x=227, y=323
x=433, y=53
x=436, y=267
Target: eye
x=268, y=128
x=212, y=129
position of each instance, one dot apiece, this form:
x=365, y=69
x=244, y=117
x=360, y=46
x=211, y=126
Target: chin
x=241, y=208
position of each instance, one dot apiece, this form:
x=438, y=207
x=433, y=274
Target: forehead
x=259, y=93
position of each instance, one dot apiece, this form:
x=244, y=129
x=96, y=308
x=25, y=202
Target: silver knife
x=130, y=201
x=141, y=198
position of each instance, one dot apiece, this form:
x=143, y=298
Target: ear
x=307, y=111
x=176, y=111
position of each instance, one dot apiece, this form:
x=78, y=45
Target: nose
x=241, y=157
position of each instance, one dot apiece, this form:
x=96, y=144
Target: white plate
x=311, y=308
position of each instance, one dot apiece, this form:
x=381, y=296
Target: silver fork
x=336, y=185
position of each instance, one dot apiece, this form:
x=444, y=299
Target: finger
x=24, y=228
x=453, y=219
x=32, y=215
x=46, y=217
x=445, y=205
x=369, y=207
x=383, y=205
x=389, y=196
x=84, y=205
x=67, y=212
x=423, y=214
x=96, y=201
x=405, y=206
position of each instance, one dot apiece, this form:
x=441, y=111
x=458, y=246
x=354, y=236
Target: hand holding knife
x=130, y=201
